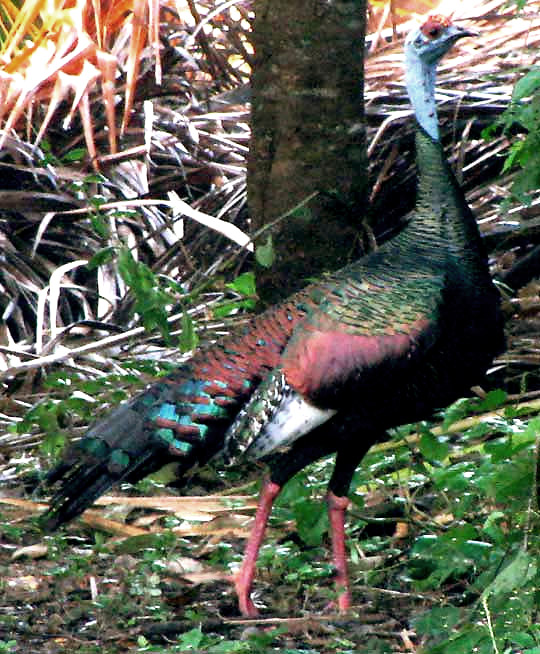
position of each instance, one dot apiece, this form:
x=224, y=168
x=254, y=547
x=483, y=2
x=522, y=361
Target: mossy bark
x=308, y=137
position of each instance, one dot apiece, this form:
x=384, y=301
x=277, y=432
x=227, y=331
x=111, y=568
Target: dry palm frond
x=77, y=51
x=52, y=53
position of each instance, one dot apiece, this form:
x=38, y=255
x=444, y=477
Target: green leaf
x=126, y=266
x=77, y=154
x=244, y=284
x=489, y=132
x=53, y=443
x=302, y=214
x=527, y=85
x=515, y=575
x=227, y=308
x=188, y=339
x=457, y=411
x=192, y=639
x=101, y=257
x=466, y=642
x=264, y=254
x=151, y=300
x=514, y=155
x=60, y=379
x=523, y=640
x=432, y=448
x=533, y=427
x=95, y=178
x=460, y=535
x=100, y=225
x=439, y=620
x=493, y=400
x=499, y=450
x=493, y=518
x=311, y=520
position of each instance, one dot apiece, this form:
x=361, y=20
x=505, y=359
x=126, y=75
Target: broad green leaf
x=264, y=254
x=77, y=154
x=226, y=308
x=95, y=178
x=53, y=443
x=467, y=641
x=527, y=85
x=126, y=266
x=493, y=400
x=457, y=411
x=515, y=575
x=244, y=284
x=192, y=639
x=312, y=521
x=432, y=448
x=524, y=639
x=100, y=225
x=499, y=450
x=438, y=621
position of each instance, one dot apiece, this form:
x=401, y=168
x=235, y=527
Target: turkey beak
x=462, y=31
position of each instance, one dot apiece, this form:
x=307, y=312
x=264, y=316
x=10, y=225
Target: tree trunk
x=308, y=139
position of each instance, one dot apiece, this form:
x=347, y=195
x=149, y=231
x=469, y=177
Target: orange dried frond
x=55, y=50
x=8, y=15
x=136, y=45
x=391, y=13
x=24, y=25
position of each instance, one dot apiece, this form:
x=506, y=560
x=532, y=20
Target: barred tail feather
x=120, y=447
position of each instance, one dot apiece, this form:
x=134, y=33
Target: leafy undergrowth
x=443, y=533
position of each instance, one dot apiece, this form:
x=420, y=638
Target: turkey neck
x=420, y=79
x=442, y=215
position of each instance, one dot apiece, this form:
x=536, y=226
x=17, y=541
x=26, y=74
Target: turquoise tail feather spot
x=184, y=421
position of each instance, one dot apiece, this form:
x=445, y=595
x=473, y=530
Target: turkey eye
x=434, y=32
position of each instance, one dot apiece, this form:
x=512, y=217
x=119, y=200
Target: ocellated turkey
x=382, y=342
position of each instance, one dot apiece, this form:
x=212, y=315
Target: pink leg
x=244, y=578
x=336, y=514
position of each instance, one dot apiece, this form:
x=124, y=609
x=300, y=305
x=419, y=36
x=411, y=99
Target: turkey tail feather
x=120, y=447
